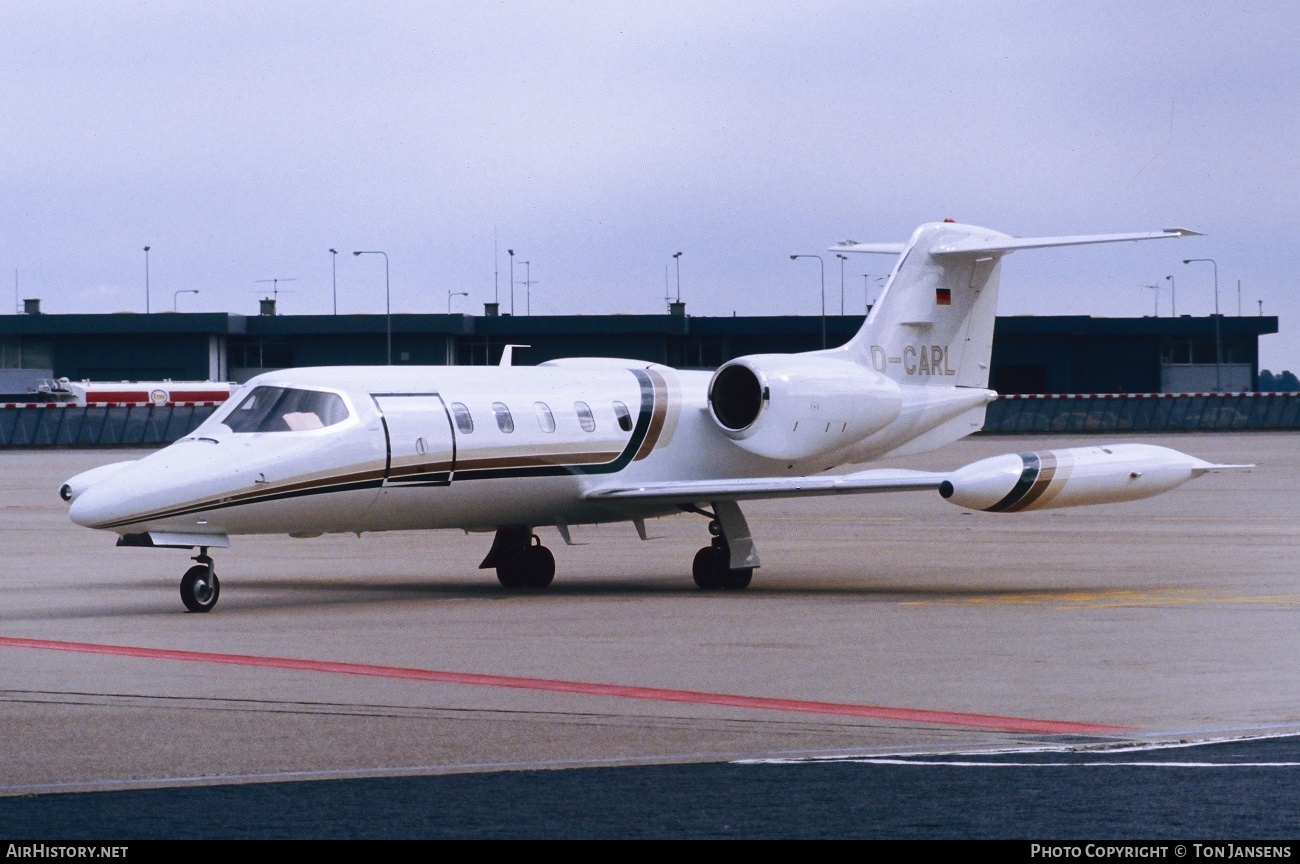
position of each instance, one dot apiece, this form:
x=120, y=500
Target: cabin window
x=586, y=419
x=464, y=422
x=505, y=422
x=282, y=409
x=545, y=418
x=624, y=416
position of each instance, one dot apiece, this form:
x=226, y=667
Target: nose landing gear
x=199, y=586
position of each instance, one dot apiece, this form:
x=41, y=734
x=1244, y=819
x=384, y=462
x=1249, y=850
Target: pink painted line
x=762, y=703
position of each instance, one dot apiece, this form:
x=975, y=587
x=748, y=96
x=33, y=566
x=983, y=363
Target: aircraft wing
x=693, y=491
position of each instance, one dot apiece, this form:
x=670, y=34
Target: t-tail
x=933, y=323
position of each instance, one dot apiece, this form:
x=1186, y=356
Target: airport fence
x=1142, y=412
x=57, y=424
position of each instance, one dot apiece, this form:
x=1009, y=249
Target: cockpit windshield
x=280, y=409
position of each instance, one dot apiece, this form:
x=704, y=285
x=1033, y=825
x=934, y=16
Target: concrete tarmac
x=1167, y=619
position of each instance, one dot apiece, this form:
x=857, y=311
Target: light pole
x=866, y=290
x=822, y=266
x=451, y=294
x=511, y=253
x=842, y=258
x=388, y=304
x=1173, y=297
x=677, y=258
x=1218, y=339
x=177, y=294
x=146, y=280
x=1155, y=288
x=334, y=268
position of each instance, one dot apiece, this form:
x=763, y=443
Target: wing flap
x=693, y=491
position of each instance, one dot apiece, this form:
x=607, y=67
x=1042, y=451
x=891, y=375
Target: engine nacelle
x=795, y=407
x=1069, y=478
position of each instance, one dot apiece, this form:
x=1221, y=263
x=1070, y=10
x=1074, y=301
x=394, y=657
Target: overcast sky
x=242, y=140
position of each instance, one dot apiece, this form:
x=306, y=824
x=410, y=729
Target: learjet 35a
x=508, y=449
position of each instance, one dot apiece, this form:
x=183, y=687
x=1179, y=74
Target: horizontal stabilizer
x=871, y=248
x=693, y=491
x=1002, y=244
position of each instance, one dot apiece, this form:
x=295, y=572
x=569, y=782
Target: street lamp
x=334, y=268
x=388, y=305
x=146, y=280
x=1173, y=297
x=677, y=259
x=1155, y=288
x=177, y=294
x=842, y=258
x=1218, y=339
x=528, y=287
x=822, y=265
x=511, y=252
x=866, y=289
x=451, y=294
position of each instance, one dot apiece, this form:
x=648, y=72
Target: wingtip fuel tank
x=1072, y=477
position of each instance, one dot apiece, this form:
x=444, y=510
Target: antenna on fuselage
x=507, y=354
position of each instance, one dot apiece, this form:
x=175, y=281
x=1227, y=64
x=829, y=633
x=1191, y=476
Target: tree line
x=1282, y=382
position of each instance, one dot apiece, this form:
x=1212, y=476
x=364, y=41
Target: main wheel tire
x=200, y=588
x=735, y=580
x=538, y=566
x=510, y=572
x=708, y=567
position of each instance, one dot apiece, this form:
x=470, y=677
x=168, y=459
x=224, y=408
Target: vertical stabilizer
x=933, y=324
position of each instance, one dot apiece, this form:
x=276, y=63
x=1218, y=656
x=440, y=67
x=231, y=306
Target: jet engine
x=793, y=407
x=1069, y=478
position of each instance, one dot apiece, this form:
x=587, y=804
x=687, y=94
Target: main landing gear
x=199, y=586
x=728, y=562
x=520, y=559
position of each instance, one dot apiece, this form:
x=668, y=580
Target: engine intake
x=736, y=397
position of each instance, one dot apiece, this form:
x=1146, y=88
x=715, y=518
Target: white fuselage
x=476, y=448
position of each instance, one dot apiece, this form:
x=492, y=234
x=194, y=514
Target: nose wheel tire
x=200, y=588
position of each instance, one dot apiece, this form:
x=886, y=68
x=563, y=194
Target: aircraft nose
x=97, y=506
x=145, y=491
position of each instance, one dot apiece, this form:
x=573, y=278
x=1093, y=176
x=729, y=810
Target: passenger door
x=421, y=440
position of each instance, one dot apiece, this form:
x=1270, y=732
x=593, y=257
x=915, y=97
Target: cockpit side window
x=282, y=409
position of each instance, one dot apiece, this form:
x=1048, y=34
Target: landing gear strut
x=718, y=565
x=199, y=586
x=520, y=559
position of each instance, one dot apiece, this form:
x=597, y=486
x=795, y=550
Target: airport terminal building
x=1031, y=355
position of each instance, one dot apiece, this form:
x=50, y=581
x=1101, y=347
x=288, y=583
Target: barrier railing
x=57, y=424
x=1152, y=412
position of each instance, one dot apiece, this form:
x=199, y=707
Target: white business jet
x=508, y=449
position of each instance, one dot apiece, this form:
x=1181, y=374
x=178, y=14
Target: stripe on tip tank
x=1040, y=469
